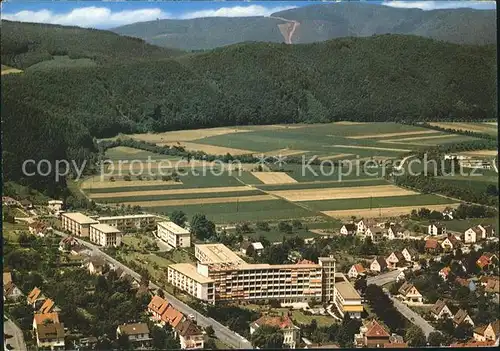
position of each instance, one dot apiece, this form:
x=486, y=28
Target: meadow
x=282, y=191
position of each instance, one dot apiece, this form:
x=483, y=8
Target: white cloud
x=435, y=5
x=236, y=11
x=97, y=17
x=103, y=17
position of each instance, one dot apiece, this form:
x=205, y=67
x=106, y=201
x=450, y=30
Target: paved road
x=17, y=339
x=412, y=316
x=223, y=333
x=384, y=278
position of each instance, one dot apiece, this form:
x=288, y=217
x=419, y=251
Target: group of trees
x=343, y=333
x=383, y=307
x=460, y=189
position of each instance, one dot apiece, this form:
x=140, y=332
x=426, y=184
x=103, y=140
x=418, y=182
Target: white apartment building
x=105, y=235
x=77, y=223
x=130, y=222
x=221, y=275
x=347, y=298
x=174, y=235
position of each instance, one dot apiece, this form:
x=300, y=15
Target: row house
x=397, y=232
x=348, y=229
x=162, y=312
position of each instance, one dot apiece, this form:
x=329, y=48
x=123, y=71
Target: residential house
x=436, y=229
x=95, y=265
x=47, y=306
x=81, y=250
x=374, y=233
x=9, y=201
x=432, y=246
x=474, y=344
x=468, y=283
x=291, y=333
x=440, y=310
x=39, y=228
x=67, y=243
x=372, y=335
x=348, y=229
x=34, y=296
x=450, y=243
x=487, y=231
x=395, y=259
x=487, y=260
x=444, y=272
x=462, y=316
x=190, y=335
x=378, y=265
x=409, y=293
x=356, y=271
x=448, y=213
x=258, y=248
x=55, y=205
x=49, y=331
x=410, y=254
x=401, y=276
x=10, y=290
x=137, y=333
x=28, y=205
x=490, y=332
x=472, y=235
x=493, y=286
x=397, y=232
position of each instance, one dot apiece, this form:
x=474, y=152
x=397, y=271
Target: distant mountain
x=318, y=23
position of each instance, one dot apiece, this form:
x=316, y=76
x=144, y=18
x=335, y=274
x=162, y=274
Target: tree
x=360, y=285
x=164, y=338
x=210, y=331
x=264, y=226
x=209, y=344
x=435, y=338
x=296, y=224
x=268, y=337
x=284, y=227
x=463, y=331
x=179, y=218
x=415, y=336
x=201, y=227
x=123, y=343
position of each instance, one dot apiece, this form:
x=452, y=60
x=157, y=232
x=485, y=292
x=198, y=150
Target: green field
x=376, y=202
x=180, y=196
x=59, y=62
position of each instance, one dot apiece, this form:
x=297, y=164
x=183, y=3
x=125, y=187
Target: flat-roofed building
x=221, y=275
x=105, y=235
x=130, y=222
x=347, y=298
x=77, y=223
x=174, y=235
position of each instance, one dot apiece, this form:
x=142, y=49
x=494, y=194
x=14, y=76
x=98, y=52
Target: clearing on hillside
x=368, y=148
x=388, y=135
x=384, y=212
x=274, y=177
x=342, y=193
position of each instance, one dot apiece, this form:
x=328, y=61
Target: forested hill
x=25, y=44
x=318, y=23
x=53, y=111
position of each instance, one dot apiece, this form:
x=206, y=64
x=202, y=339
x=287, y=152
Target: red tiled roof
x=47, y=306
x=41, y=317
x=446, y=271
x=431, y=244
x=359, y=268
x=305, y=262
x=462, y=281
x=474, y=344
x=281, y=322
x=483, y=261
x=375, y=330
x=33, y=295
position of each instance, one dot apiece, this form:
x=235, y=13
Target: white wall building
x=105, y=235
x=174, y=235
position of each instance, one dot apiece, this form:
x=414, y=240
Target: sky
x=109, y=14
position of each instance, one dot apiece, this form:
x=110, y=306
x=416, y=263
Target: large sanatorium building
x=221, y=275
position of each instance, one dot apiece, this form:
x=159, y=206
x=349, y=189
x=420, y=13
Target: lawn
x=276, y=236
x=461, y=225
x=298, y=316
x=376, y=202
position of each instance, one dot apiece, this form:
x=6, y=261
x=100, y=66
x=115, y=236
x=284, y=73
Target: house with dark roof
x=410, y=254
x=190, y=335
x=137, y=334
x=397, y=232
x=375, y=233
x=489, y=332
x=450, y=243
x=49, y=331
x=378, y=265
x=410, y=294
x=462, y=316
x=291, y=333
x=440, y=310
x=348, y=229
x=95, y=265
x=395, y=259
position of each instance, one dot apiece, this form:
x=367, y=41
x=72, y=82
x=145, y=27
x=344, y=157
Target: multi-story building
x=346, y=297
x=221, y=275
x=130, y=222
x=174, y=235
x=48, y=335
x=77, y=223
x=105, y=235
